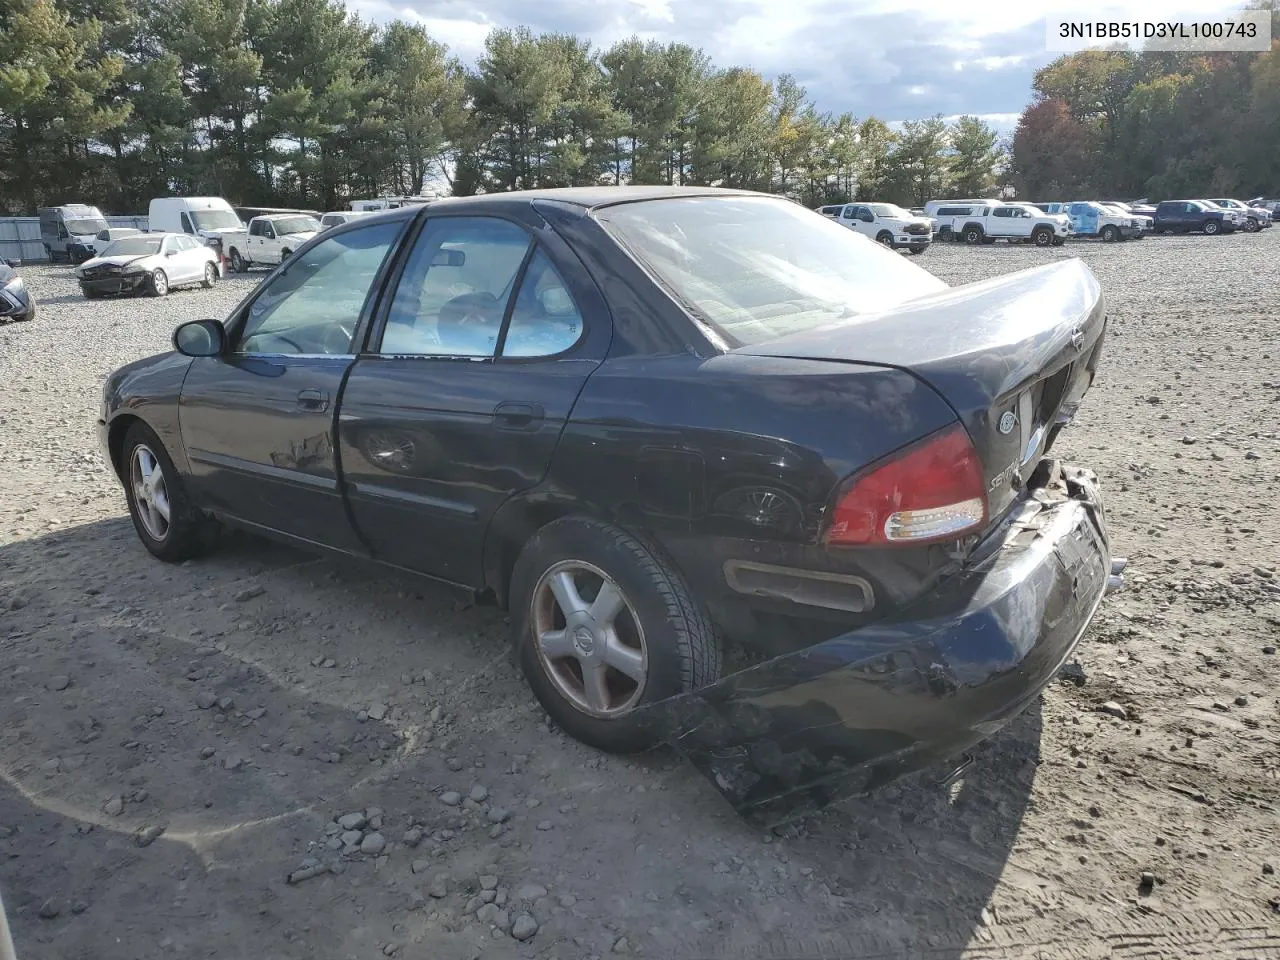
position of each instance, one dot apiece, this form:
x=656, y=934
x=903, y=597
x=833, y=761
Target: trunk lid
x=1012, y=356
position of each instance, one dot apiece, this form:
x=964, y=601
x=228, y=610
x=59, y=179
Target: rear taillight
x=932, y=490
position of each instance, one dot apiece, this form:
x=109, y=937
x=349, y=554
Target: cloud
x=905, y=59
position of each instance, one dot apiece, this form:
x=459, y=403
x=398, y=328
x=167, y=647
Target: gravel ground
x=266, y=755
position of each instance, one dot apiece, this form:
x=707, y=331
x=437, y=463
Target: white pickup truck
x=885, y=223
x=1015, y=222
x=273, y=238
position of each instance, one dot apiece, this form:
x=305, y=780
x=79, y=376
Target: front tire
x=602, y=627
x=210, y=276
x=165, y=521
x=1042, y=237
x=885, y=238
x=158, y=285
x=1251, y=225
x=90, y=294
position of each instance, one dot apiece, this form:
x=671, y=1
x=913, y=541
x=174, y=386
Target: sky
x=894, y=59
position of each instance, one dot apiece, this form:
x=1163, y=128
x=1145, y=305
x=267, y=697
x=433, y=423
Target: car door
x=258, y=422
x=849, y=217
x=459, y=402
x=188, y=260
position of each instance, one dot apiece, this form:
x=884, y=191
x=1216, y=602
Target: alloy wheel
x=589, y=639
x=159, y=283
x=150, y=495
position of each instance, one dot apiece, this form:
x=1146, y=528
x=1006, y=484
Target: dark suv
x=1185, y=216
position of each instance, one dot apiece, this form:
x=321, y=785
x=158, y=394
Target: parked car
x=886, y=223
x=388, y=203
x=1254, y=218
x=1143, y=221
x=16, y=302
x=1187, y=216
x=335, y=217
x=1141, y=207
x=1273, y=206
x=153, y=263
x=273, y=239
x=931, y=209
x=104, y=238
x=67, y=232
x=211, y=220
x=1092, y=219
x=682, y=413
x=1015, y=222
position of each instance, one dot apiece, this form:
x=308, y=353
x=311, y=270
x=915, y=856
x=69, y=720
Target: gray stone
x=352, y=821
x=479, y=793
x=232, y=763
x=148, y=835
x=1269, y=650
x=207, y=752
x=1146, y=882
x=421, y=866
x=205, y=700
x=488, y=896
x=250, y=593
x=1242, y=701
x=499, y=815
x=621, y=945
x=114, y=807
x=1111, y=708
x=474, y=904
x=524, y=927
x=50, y=909
x=377, y=711
x=567, y=900
x=352, y=838
x=307, y=871
x=454, y=764
x=545, y=825
x=439, y=887
x=488, y=882
x=497, y=830
x=374, y=843
x=451, y=798
x=531, y=891
x=412, y=837
x=59, y=682
x=257, y=713
x=390, y=949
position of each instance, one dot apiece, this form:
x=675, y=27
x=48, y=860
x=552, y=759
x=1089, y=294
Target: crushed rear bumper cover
x=838, y=719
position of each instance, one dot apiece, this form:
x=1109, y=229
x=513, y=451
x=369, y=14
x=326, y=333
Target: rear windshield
x=215, y=220
x=756, y=268
x=133, y=246
x=296, y=225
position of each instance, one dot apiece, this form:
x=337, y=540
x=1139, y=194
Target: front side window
x=186, y=224
x=454, y=291
x=314, y=304
x=756, y=268
x=544, y=321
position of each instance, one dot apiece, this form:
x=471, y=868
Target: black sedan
x=646, y=420
x=16, y=302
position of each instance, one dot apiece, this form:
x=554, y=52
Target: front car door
x=258, y=422
x=470, y=376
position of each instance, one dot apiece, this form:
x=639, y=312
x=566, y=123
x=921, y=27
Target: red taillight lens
x=931, y=491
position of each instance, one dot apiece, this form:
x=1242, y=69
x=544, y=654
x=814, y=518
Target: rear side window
x=1002, y=212
x=545, y=320
x=453, y=294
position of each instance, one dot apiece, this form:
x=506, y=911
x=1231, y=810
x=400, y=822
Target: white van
x=210, y=219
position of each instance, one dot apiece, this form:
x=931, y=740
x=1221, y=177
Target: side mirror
x=200, y=338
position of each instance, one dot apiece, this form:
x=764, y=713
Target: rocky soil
x=266, y=755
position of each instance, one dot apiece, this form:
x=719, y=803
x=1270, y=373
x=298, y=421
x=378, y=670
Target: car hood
x=297, y=237
x=121, y=260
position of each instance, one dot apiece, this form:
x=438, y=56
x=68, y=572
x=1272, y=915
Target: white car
x=151, y=263
x=272, y=239
x=336, y=217
x=1253, y=218
x=885, y=223
x=105, y=238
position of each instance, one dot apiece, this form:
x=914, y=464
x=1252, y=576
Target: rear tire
x=238, y=263
x=658, y=631
x=973, y=235
x=185, y=532
x=1110, y=234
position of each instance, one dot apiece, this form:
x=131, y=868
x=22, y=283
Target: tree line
x=1161, y=125
x=302, y=103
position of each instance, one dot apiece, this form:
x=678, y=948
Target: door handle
x=517, y=415
x=314, y=400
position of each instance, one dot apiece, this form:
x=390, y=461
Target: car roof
x=590, y=197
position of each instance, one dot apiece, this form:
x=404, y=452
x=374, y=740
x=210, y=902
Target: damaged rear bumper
x=838, y=719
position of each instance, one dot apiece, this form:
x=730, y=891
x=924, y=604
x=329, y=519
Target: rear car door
x=258, y=422
x=190, y=258
x=458, y=404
